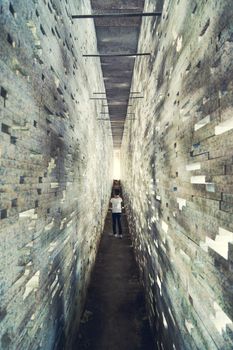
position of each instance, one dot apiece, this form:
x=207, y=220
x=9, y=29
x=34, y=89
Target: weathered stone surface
x=177, y=172
x=54, y=170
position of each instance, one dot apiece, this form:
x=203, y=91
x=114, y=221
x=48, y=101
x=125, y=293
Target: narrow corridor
x=115, y=316
x=96, y=94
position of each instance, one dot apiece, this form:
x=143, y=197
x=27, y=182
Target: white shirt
x=116, y=204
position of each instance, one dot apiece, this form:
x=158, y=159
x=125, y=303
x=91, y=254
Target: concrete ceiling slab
x=116, y=36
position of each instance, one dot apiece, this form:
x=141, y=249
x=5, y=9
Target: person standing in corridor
x=116, y=204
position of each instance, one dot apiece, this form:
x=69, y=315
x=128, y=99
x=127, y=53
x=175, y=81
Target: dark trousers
x=116, y=219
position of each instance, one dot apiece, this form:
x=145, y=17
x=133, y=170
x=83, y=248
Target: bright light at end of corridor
x=116, y=165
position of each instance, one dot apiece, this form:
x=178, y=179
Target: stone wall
x=177, y=172
x=54, y=168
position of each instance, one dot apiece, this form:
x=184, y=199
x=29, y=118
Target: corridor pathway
x=115, y=316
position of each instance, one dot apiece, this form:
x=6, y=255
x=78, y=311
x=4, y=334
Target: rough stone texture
x=177, y=172
x=53, y=191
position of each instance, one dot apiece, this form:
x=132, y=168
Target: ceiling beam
x=126, y=14
x=112, y=98
x=112, y=104
x=104, y=93
x=118, y=54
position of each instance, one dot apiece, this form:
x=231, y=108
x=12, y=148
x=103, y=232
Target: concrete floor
x=115, y=316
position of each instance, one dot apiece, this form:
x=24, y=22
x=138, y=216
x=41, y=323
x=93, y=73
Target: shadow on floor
x=115, y=316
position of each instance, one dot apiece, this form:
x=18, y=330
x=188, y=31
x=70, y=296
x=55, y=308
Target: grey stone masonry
x=177, y=172
x=53, y=191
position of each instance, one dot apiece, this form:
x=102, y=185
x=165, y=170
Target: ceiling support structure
x=118, y=55
x=123, y=102
x=113, y=99
x=127, y=14
x=104, y=93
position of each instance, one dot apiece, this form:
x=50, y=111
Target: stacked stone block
x=54, y=170
x=177, y=172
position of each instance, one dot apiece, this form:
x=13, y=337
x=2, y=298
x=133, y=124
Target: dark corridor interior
x=115, y=314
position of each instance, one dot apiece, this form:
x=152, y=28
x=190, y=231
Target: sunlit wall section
x=177, y=172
